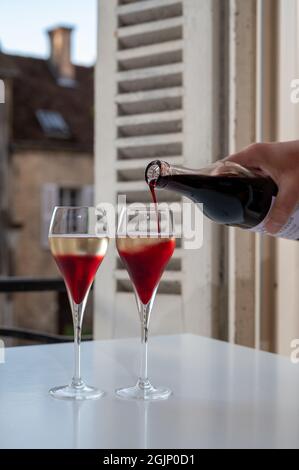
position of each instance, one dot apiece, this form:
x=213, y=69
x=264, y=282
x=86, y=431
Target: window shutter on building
x=155, y=99
x=87, y=196
x=172, y=83
x=49, y=199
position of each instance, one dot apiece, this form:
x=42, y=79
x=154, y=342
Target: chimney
x=60, y=55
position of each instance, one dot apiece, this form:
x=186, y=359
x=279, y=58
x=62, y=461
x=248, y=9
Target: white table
x=224, y=396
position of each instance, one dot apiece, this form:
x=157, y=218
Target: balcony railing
x=26, y=284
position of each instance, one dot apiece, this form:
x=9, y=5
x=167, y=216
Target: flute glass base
x=82, y=392
x=144, y=391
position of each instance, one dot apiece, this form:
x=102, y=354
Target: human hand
x=280, y=161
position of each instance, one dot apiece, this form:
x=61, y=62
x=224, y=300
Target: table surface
x=224, y=396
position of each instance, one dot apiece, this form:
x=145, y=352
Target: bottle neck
x=159, y=174
x=155, y=174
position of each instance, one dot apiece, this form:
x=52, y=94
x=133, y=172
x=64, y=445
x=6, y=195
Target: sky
x=23, y=24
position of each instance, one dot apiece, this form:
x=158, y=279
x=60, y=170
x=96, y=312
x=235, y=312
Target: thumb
x=282, y=209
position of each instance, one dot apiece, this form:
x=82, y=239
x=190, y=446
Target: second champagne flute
x=145, y=243
x=78, y=241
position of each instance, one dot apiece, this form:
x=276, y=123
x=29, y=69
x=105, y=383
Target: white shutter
x=49, y=199
x=87, y=196
x=155, y=98
x=287, y=269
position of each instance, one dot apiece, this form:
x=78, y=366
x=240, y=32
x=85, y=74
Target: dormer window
x=53, y=124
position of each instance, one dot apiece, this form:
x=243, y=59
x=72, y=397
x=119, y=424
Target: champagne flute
x=145, y=242
x=78, y=241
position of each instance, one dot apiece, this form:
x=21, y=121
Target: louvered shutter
x=155, y=99
x=87, y=196
x=49, y=199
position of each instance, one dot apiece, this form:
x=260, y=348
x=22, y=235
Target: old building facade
x=49, y=149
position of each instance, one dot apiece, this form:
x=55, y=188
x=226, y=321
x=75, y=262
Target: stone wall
x=29, y=171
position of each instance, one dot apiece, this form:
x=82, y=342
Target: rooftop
x=35, y=88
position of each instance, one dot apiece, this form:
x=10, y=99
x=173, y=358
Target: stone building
x=48, y=150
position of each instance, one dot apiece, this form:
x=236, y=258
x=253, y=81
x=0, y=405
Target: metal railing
x=28, y=284
x=10, y=285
